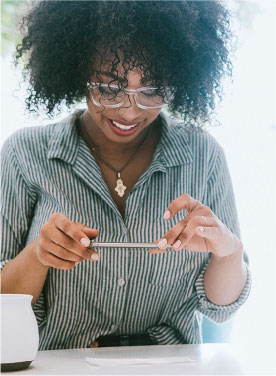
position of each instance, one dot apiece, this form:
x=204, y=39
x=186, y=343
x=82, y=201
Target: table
x=206, y=359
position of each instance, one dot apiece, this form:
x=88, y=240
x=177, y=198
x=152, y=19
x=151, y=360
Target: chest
x=128, y=178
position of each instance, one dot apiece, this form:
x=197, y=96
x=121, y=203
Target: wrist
x=33, y=248
x=236, y=253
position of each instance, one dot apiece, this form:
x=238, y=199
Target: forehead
x=133, y=76
x=111, y=68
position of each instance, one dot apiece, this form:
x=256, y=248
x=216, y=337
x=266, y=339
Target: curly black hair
x=185, y=44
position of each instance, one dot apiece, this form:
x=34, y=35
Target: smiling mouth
x=122, y=126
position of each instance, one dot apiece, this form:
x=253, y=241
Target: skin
x=62, y=243
x=115, y=149
x=95, y=120
x=200, y=231
x=59, y=244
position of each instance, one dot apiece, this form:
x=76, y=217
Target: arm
x=212, y=229
x=24, y=274
x=59, y=244
x=201, y=231
x=21, y=273
x=225, y=278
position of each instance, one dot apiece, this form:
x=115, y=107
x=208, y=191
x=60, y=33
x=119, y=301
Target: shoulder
x=29, y=142
x=34, y=143
x=30, y=135
x=199, y=141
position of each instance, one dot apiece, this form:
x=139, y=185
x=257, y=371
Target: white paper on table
x=115, y=362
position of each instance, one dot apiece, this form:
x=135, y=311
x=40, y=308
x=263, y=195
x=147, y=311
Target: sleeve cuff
x=220, y=313
x=3, y=263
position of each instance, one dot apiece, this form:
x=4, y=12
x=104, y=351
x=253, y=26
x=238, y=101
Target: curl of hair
x=184, y=44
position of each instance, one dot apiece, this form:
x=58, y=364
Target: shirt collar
x=63, y=143
x=173, y=148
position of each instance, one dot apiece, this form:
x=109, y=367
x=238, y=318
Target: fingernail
x=167, y=214
x=162, y=243
x=177, y=244
x=85, y=242
x=95, y=256
x=201, y=229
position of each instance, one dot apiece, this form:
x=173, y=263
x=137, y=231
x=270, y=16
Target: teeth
x=123, y=127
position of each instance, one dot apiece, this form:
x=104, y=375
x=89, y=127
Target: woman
x=122, y=170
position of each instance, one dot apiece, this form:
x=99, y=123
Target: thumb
x=91, y=233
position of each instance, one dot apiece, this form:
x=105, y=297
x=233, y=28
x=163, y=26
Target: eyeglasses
x=112, y=96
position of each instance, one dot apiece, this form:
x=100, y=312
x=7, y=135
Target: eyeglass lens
x=110, y=96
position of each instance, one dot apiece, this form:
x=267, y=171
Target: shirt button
x=121, y=282
x=113, y=328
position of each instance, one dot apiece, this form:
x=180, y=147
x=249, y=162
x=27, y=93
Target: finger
x=179, y=243
x=198, y=221
x=57, y=237
x=201, y=211
x=182, y=202
x=62, y=239
x=208, y=232
x=63, y=253
x=170, y=237
x=90, y=232
x=94, y=344
x=56, y=262
x=75, y=231
x=156, y=251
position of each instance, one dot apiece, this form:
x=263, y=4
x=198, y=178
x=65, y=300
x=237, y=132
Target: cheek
x=152, y=115
x=93, y=110
x=98, y=113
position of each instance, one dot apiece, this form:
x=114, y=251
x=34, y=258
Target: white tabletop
x=205, y=359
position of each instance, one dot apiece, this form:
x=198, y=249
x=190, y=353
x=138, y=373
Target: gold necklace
x=120, y=187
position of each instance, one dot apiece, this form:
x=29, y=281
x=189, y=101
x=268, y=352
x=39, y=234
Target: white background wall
x=248, y=137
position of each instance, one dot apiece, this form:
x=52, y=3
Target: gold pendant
x=120, y=187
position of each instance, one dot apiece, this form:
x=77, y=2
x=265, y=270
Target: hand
x=62, y=243
x=200, y=231
x=94, y=344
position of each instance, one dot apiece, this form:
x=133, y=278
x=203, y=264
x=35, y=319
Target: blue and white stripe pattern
x=50, y=169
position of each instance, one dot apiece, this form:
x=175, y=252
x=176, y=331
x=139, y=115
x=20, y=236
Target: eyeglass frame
x=126, y=91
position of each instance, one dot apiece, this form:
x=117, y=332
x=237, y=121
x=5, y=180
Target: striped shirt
x=50, y=169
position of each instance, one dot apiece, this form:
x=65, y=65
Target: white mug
x=19, y=332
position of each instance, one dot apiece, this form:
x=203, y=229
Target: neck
x=108, y=147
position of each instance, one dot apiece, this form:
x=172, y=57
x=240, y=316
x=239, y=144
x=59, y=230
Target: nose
x=129, y=110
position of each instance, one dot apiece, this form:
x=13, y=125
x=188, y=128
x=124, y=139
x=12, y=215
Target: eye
x=149, y=92
x=109, y=90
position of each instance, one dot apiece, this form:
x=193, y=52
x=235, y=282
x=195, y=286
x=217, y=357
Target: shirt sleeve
x=17, y=205
x=221, y=201
x=184, y=325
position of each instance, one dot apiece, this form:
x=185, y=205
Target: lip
x=120, y=132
